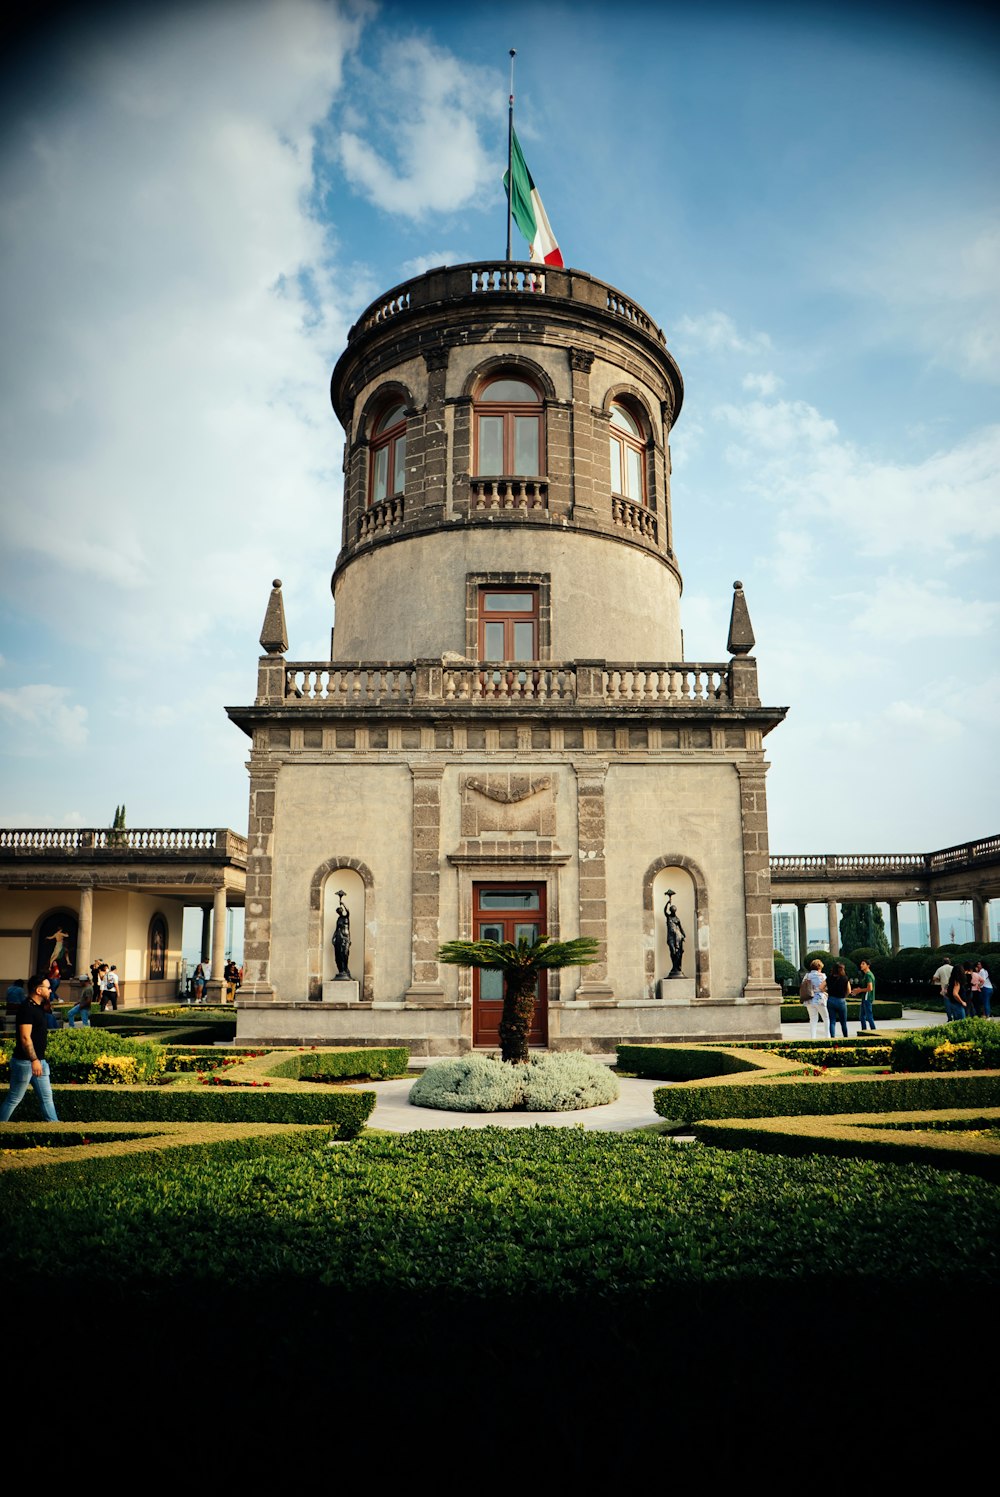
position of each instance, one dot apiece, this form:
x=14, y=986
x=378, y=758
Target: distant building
x=783, y=932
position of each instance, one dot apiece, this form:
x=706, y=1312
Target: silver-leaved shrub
x=548, y=1083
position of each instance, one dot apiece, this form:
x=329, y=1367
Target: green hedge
x=868, y=1136
x=812, y=1097
x=347, y=1110
x=692, y=1062
x=71, y=1054
x=837, y=1056
x=914, y=1051
x=342, y=1065
x=797, y=1013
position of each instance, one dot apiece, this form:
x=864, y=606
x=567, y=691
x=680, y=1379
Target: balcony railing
x=390, y=683
x=153, y=840
x=863, y=865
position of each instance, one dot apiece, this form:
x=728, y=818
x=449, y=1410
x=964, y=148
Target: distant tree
x=862, y=925
x=520, y=964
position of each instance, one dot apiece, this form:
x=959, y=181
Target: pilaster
x=760, y=985
x=591, y=832
x=426, y=986
x=260, y=836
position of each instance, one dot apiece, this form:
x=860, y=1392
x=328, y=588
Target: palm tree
x=520, y=964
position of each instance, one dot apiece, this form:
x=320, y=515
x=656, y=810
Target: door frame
x=540, y=1018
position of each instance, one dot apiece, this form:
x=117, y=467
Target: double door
x=506, y=912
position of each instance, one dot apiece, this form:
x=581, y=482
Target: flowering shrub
x=113, y=1070
x=72, y=1055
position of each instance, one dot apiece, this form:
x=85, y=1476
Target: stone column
x=86, y=929
x=591, y=826
x=257, y=945
x=980, y=920
x=206, y=946
x=585, y=440
x=433, y=490
x=893, y=923
x=760, y=984
x=803, y=934
x=833, y=930
x=932, y=914
x=426, y=986
x=216, y=985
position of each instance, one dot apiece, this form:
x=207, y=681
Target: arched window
x=387, y=458
x=628, y=455
x=508, y=429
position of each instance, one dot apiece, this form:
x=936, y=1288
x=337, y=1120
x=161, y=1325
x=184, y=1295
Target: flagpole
x=510, y=148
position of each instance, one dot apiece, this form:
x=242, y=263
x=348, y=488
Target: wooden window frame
x=509, y=618
x=509, y=410
x=627, y=443
x=387, y=440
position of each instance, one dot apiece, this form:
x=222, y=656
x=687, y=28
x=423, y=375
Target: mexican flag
x=529, y=215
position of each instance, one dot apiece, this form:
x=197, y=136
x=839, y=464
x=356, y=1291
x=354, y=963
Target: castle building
x=506, y=739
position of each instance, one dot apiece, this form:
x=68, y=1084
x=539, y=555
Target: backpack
x=806, y=990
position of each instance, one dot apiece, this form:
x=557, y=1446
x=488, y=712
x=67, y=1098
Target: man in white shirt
x=941, y=977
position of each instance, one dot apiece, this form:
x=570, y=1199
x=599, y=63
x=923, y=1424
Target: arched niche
x=678, y=872
x=355, y=878
x=157, y=946
x=55, y=935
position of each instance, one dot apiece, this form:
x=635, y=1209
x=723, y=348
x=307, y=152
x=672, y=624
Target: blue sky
x=195, y=205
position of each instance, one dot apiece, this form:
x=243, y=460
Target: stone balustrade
x=76, y=841
x=365, y=684
x=507, y=493
x=634, y=517
x=504, y=278
x=381, y=516
x=865, y=865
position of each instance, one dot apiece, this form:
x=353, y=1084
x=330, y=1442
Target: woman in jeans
x=28, y=1066
x=837, y=988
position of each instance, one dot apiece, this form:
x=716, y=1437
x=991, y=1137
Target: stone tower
x=506, y=739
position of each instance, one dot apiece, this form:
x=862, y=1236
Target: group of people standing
x=966, y=989
x=826, y=998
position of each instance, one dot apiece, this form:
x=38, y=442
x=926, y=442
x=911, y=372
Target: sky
x=196, y=202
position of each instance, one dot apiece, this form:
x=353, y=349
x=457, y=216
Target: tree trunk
x=518, y=1010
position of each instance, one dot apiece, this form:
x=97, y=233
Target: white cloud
x=171, y=301
x=936, y=279
x=41, y=715
x=909, y=608
x=932, y=721
x=716, y=332
x=426, y=108
x=430, y=261
x=870, y=506
x=765, y=384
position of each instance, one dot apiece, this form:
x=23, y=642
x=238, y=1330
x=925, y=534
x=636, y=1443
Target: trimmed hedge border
x=698, y=1062
x=345, y=1064
x=346, y=1110
x=867, y=1136
x=810, y=1097
x=87, y=1150
x=796, y=1013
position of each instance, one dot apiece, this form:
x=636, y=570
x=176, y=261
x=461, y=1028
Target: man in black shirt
x=28, y=1066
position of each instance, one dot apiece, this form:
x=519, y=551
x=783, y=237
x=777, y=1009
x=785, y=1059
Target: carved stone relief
x=506, y=801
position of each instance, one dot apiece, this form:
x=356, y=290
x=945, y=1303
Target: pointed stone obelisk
x=274, y=634
x=741, y=640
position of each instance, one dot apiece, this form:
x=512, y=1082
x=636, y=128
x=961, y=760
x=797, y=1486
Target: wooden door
x=506, y=912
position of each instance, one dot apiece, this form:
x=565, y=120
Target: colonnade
x=980, y=919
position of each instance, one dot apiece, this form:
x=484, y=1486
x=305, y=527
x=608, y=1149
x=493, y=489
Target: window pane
x=634, y=475
x=490, y=445
x=526, y=445
x=491, y=982
x=616, y=466
x=510, y=390
x=524, y=642
x=508, y=602
x=381, y=459
x=399, y=465
x=391, y=418
x=493, y=643
x=508, y=899
x=624, y=422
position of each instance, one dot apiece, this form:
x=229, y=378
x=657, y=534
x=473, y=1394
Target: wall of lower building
x=655, y=813
x=119, y=934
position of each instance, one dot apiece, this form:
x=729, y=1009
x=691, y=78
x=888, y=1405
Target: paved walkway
x=634, y=1108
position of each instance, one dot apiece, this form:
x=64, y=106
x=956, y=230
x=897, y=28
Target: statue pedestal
x=346, y=991
x=676, y=989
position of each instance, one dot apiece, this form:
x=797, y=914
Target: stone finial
x=274, y=635
x=741, y=640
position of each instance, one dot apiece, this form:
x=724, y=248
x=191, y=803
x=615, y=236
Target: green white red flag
x=528, y=213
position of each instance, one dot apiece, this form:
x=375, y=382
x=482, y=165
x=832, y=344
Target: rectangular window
x=490, y=446
x=526, y=430
x=508, y=624
x=380, y=474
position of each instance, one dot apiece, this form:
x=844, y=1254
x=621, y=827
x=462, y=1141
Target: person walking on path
x=987, y=990
x=866, y=992
x=942, y=979
x=109, y=989
x=28, y=1066
x=198, y=983
x=837, y=987
x=954, y=998
x=815, y=1000
x=82, y=1007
